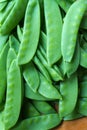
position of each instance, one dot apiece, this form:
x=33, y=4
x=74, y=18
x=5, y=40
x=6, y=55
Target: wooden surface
x=79, y=124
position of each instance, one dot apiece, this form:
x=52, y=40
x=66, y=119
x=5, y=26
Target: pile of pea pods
x=43, y=63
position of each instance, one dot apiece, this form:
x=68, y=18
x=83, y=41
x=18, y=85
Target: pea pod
x=9, y=23
x=54, y=31
x=68, y=42
x=69, y=92
x=39, y=105
x=3, y=4
x=13, y=96
x=44, y=122
x=47, y=89
x=3, y=75
x=30, y=38
x=31, y=76
x=3, y=40
x=19, y=33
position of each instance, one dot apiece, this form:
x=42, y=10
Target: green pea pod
x=83, y=56
x=10, y=56
x=43, y=107
x=68, y=42
x=71, y=67
x=14, y=43
x=13, y=96
x=30, y=38
x=69, y=92
x=47, y=89
x=3, y=40
x=19, y=33
x=45, y=122
x=34, y=95
x=41, y=67
x=5, y=12
x=83, y=89
x=43, y=40
x=55, y=75
x=28, y=110
x=9, y=23
x=3, y=75
x=54, y=30
x=82, y=109
x=31, y=76
x=3, y=5
x=65, y=5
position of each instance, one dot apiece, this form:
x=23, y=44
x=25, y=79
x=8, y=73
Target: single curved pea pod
x=3, y=4
x=43, y=107
x=34, y=95
x=83, y=89
x=19, y=33
x=45, y=122
x=69, y=92
x=54, y=30
x=3, y=40
x=10, y=56
x=13, y=96
x=71, y=67
x=14, y=43
x=47, y=89
x=30, y=38
x=68, y=42
x=65, y=5
x=9, y=23
x=83, y=57
x=31, y=76
x=41, y=67
x=28, y=110
x=3, y=75
x=82, y=106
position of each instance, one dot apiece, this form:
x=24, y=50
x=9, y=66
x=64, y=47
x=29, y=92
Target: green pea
x=31, y=76
x=43, y=107
x=30, y=38
x=45, y=122
x=10, y=56
x=82, y=106
x=34, y=95
x=28, y=110
x=3, y=75
x=9, y=23
x=69, y=92
x=71, y=23
x=47, y=89
x=13, y=96
x=54, y=30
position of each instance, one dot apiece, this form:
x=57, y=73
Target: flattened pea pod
x=54, y=29
x=3, y=40
x=30, y=38
x=45, y=122
x=13, y=96
x=31, y=76
x=69, y=92
x=71, y=23
x=34, y=95
x=39, y=105
x=3, y=75
x=47, y=89
x=83, y=57
x=9, y=23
